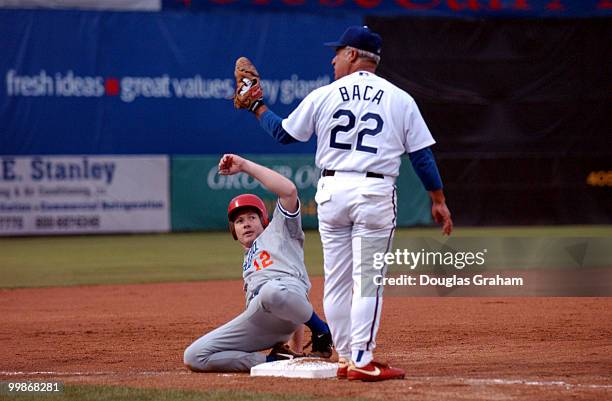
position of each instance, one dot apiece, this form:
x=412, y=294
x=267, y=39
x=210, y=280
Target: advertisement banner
x=420, y=8
x=200, y=196
x=152, y=83
x=83, y=194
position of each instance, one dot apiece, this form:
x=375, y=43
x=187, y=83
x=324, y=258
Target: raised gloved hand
x=248, y=94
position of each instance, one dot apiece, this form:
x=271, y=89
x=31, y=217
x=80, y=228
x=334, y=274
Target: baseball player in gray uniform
x=363, y=124
x=275, y=282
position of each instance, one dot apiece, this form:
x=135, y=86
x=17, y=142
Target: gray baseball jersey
x=278, y=253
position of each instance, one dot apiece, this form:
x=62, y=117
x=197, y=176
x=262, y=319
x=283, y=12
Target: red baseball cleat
x=373, y=372
x=343, y=365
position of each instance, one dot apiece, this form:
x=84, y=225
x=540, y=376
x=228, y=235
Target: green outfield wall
x=199, y=196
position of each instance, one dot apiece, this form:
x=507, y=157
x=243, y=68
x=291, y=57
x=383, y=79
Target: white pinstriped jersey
x=362, y=122
x=278, y=253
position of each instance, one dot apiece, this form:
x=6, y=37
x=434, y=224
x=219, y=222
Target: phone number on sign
x=31, y=387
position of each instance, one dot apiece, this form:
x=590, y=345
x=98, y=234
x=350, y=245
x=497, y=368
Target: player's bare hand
x=440, y=212
x=230, y=164
x=442, y=215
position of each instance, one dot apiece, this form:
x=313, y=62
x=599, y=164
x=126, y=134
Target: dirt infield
x=451, y=348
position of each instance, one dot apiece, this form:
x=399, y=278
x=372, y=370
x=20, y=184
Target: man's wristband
x=255, y=105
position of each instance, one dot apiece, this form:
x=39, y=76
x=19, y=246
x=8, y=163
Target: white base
x=305, y=368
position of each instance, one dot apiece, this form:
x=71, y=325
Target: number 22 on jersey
x=350, y=124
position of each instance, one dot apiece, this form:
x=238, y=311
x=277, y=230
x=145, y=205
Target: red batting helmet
x=246, y=201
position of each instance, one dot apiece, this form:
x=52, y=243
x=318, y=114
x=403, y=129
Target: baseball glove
x=249, y=94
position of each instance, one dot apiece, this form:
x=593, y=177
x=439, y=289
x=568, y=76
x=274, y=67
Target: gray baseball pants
x=272, y=316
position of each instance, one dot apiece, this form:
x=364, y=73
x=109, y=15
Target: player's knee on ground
x=195, y=358
x=200, y=358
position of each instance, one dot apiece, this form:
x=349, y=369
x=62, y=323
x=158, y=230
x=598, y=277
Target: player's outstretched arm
x=249, y=95
x=282, y=186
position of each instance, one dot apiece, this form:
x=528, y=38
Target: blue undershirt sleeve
x=271, y=123
x=425, y=167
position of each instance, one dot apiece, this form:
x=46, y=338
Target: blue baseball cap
x=359, y=37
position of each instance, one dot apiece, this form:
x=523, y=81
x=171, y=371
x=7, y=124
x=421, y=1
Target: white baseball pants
x=357, y=216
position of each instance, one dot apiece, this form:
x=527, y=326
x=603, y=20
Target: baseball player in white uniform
x=275, y=282
x=363, y=124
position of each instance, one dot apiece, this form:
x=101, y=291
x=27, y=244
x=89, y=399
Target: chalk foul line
x=472, y=381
